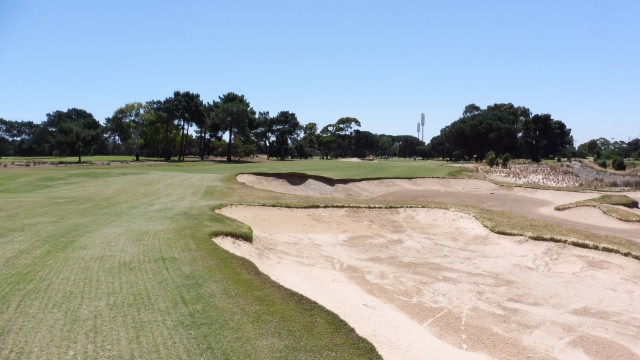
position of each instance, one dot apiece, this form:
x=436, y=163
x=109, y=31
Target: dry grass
x=512, y=224
x=618, y=213
x=609, y=204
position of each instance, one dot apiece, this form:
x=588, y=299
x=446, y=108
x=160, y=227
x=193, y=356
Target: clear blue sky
x=383, y=62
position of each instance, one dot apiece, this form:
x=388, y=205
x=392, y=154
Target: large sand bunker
x=533, y=203
x=425, y=283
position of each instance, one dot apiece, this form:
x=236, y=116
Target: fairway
x=117, y=262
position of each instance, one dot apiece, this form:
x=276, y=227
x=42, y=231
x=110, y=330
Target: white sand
x=424, y=283
x=524, y=201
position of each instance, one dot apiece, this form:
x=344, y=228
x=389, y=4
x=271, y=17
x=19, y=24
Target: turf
x=117, y=262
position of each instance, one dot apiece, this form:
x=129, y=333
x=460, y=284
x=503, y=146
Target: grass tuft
x=610, y=205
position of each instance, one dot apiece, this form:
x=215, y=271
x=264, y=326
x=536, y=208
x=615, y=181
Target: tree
x=633, y=147
x=23, y=138
x=187, y=108
x=263, y=132
x=4, y=141
x=365, y=143
x=384, y=145
x=310, y=138
x=591, y=147
x=407, y=145
x=438, y=147
x=285, y=126
x=423, y=152
x=159, y=132
x=234, y=115
x=123, y=128
x=343, y=131
x=471, y=109
x=74, y=131
x=542, y=137
x=327, y=141
x=492, y=129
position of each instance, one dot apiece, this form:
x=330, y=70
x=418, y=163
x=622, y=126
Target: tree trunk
x=229, y=145
x=201, y=145
x=181, y=153
x=167, y=153
x=282, y=149
x=186, y=140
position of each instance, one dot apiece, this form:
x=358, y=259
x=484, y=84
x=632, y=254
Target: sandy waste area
x=436, y=284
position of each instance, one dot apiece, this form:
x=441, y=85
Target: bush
x=618, y=164
x=490, y=159
x=504, y=160
x=602, y=163
x=422, y=151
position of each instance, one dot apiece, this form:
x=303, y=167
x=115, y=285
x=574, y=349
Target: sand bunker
x=425, y=283
x=533, y=203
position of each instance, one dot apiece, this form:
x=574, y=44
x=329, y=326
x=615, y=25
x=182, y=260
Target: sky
x=382, y=62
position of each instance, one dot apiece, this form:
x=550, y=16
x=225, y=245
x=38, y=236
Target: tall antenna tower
x=422, y=122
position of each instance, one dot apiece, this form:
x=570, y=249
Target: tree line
x=184, y=125
x=503, y=129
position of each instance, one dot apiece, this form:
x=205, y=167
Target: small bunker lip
x=299, y=178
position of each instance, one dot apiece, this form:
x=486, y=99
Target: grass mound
x=610, y=205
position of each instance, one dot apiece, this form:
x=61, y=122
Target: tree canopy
x=503, y=129
x=74, y=132
x=182, y=125
x=234, y=115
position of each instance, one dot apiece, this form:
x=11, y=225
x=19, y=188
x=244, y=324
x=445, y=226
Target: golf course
x=116, y=260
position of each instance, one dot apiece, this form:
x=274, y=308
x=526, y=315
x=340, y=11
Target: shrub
x=504, y=160
x=559, y=159
x=490, y=159
x=618, y=164
x=602, y=163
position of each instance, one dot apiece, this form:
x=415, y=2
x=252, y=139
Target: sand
x=533, y=203
x=429, y=283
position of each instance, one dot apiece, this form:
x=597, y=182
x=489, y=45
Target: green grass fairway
x=116, y=262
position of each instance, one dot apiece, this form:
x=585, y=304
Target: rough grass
x=609, y=204
x=618, y=213
x=512, y=224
